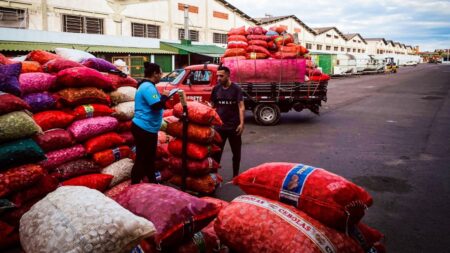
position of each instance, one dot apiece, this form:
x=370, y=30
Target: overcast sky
x=413, y=22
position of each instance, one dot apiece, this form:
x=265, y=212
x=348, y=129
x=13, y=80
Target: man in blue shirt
x=148, y=112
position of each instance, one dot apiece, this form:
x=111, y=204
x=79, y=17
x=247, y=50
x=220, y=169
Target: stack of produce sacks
x=306, y=209
x=202, y=139
x=313, y=73
x=258, y=43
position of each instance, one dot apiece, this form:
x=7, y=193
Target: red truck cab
x=197, y=81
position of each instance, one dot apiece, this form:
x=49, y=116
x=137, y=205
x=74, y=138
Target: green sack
x=20, y=152
x=17, y=125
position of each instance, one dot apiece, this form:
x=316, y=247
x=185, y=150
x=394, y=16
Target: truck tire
x=267, y=114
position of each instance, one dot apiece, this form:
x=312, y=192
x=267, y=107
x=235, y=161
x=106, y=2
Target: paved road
x=389, y=134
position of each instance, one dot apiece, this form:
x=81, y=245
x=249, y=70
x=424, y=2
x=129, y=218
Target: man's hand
x=165, y=93
x=240, y=129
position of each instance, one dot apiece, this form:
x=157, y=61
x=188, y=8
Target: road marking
x=391, y=121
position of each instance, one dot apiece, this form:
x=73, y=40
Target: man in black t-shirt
x=227, y=98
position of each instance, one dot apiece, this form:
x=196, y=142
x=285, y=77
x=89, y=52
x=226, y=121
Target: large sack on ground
x=54, y=139
x=196, y=133
x=56, y=65
x=10, y=103
x=206, y=184
x=9, y=78
x=53, y=119
x=99, y=182
x=75, y=168
x=123, y=94
x=250, y=71
x=370, y=239
x=255, y=224
x=20, y=152
x=124, y=111
x=64, y=222
x=83, y=77
x=121, y=80
x=103, y=142
x=73, y=54
x=117, y=189
x=199, y=113
x=36, y=82
x=91, y=110
x=194, y=151
x=40, y=101
x=106, y=157
x=99, y=64
x=86, y=128
x=121, y=170
x=175, y=214
x=194, y=167
x=82, y=96
x=61, y=156
x=30, y=67
x=17, y=125
x=19, y=178
x=41, y=56
x=325, y=196
x=36, y=191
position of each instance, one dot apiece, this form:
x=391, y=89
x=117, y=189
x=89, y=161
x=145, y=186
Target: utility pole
x=186, y=22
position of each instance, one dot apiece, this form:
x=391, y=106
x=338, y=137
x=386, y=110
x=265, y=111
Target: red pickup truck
x=266, y=94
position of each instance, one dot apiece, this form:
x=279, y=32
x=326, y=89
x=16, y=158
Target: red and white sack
x=327, y=197
x=254, y=224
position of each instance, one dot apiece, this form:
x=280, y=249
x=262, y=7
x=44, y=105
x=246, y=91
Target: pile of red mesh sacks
x=297, y=208
x=258, y=43
x=66, y=121
x=202, y=176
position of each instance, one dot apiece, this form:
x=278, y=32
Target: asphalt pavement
x=388, y=133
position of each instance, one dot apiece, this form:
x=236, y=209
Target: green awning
x=30, y=46
x=186, y=48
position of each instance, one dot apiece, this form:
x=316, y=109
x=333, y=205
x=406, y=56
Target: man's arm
x=240, y=128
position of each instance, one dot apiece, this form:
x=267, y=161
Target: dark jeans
x=144, y=165
x=235, y=144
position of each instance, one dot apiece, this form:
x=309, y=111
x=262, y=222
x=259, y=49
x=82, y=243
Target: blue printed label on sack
x=116, y=153
x=89, y=109
x=137, y=249
x=158, y=176
x=133, y=149
x=293, y=184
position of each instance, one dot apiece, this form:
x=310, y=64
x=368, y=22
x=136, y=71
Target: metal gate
x=135, y=64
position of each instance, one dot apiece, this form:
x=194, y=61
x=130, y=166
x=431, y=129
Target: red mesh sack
x=119, y=81
x=195, y=168
x=107, y=157
x=175, y=214
x=368, y=238
x=283, y=39
x=237, y=44
x=83, y=77
x=98, y=182
x=167, y=113
x=261, y=43
x=235, y=52
x=196, y=133
x=325, y=196
x=194, y=151
x=10, y=103
x=9, y=236
x=18, y=178
x=128, y=137
x=162, y=151
x=36, y=82
x=164, y=138
x=199, y=113
x=103, y=142
x=255, y=224
x=124, y=126
x=313, y=72
x=41, y=56
x=256, y=30
x=117, y=189
x=204, y=184
x=75, y=168
x=257, y=49
x=5, y=60
x=258, y=37
x=53, y=119
x=54, y=139
x=237, y=31
x=91, y=110
x=219, y=203
x=321, y=78
x=45, y=185
x=205, y=241
x=281, y=55
x=56, y=65
x=61, y=156
x=13, y=217
x=254, y=56
x=30, y=67
x=82, y=96
x=279, y=29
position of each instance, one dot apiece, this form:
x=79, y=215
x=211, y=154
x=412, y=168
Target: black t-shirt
x=226, y=102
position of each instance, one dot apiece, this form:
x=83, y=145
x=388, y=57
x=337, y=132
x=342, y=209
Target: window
x=13, y=18
x=342, y=49
x=220, y=38
x=354, y=50
x=359, y=50
x=328, y=48
x=144, y=30
x=199, y=77
x=319, y=47
x=81, y=24
x=354, y=41
x=336, y=37
x=336, y=48
x=308, y=46
x=328, y=35
x=193, y=35
x=348, y=50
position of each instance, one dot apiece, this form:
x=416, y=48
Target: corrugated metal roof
x=30, y=46
x=196, y=49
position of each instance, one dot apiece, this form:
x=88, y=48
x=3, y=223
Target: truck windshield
x=179, y=78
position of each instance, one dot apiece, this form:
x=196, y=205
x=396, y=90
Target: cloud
x=412, y=22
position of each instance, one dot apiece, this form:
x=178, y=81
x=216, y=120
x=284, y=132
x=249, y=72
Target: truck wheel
x=267, y=114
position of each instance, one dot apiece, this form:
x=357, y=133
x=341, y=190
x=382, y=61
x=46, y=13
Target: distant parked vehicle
x=411, y=63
